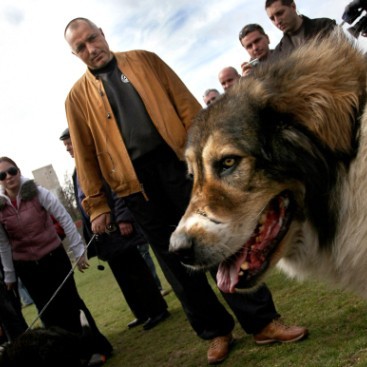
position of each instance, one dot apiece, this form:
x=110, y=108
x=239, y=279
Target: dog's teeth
x=284, y=203
x=262, y=218
x=245, y=265
x=241, y=273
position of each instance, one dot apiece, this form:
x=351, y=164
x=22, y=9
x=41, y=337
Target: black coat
x=312, y=28
x=107, y=245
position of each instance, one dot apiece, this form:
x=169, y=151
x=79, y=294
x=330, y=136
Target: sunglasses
x=12, y=171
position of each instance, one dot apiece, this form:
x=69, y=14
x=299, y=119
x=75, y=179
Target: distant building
x=46, y=177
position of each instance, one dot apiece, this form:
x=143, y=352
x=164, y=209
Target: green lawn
x=336, y=320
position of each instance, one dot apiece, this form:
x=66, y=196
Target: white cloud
x=196, y=38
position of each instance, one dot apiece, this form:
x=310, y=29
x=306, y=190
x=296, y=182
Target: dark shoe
x=136, y=322
x=154, y=321
x=219, y=348
x=278, y=332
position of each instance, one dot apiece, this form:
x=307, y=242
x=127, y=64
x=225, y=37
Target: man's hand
x=82, y=263
x=246, y=68
x=101, y=223
x=126, y=228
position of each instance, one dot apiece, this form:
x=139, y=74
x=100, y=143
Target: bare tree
x=67, y=198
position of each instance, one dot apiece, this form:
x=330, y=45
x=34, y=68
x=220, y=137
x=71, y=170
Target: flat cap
x=65, y=134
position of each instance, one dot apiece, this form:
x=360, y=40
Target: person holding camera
x=256, y=42
x=297, y=29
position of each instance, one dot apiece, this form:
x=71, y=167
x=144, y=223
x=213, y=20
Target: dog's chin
x=245, y=269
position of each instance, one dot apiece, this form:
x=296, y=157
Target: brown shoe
x=219, y=348
x=278, y=332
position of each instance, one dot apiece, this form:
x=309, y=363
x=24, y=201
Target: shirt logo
x=124, y=79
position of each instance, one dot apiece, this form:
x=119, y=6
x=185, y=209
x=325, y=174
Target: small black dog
x=46, y=347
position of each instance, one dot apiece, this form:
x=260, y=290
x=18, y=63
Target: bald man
x=228, y=76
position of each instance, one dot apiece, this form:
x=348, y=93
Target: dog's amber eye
x=228, y=163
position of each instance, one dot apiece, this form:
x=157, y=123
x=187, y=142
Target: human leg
x=43, y=280
x=137, y=284
x=257, y=315
x=11, y=318
x=253, y=310
x=144, y=252
x=164, y=180
x=207, y=315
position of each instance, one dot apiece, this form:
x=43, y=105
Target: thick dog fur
x=43, y=347
x=279, y=168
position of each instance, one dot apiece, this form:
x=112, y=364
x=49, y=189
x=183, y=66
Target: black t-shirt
x=136, y=127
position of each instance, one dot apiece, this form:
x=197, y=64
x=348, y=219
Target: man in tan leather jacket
x=128, y=117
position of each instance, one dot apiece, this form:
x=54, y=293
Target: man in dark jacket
x=119, y=249
x=297, y=29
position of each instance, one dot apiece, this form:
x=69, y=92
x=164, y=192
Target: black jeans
x=137, y=284
x=42, y=278
x=164, y=180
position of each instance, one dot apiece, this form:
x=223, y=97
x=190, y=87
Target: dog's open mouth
x=241, y=270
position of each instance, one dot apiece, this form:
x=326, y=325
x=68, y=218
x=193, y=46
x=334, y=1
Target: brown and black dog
x=279, y=169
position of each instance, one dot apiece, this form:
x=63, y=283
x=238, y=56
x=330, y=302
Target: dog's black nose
x=186, y=255
x=183, y=246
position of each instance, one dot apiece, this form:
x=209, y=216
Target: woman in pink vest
x=31, y=249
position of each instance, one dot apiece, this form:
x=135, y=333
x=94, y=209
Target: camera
x=353, y=11
x=253, y=62
x=359, y=27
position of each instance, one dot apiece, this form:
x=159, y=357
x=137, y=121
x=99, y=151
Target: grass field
x=336, y=320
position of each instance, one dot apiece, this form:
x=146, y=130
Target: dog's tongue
x=228, y=273
x=227, y=278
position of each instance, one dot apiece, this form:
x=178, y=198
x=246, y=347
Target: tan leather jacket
x=98, y=146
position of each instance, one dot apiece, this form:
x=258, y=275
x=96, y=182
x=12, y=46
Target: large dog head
x=266, y=159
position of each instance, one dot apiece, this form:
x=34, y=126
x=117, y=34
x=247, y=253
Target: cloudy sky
x=196, y=38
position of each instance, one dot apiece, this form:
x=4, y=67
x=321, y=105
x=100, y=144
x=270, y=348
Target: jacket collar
x=28, y=190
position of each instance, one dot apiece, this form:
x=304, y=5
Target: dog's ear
x=322, y=85
x=285, y=142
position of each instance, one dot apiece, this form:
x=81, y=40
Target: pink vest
x=30, y=230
